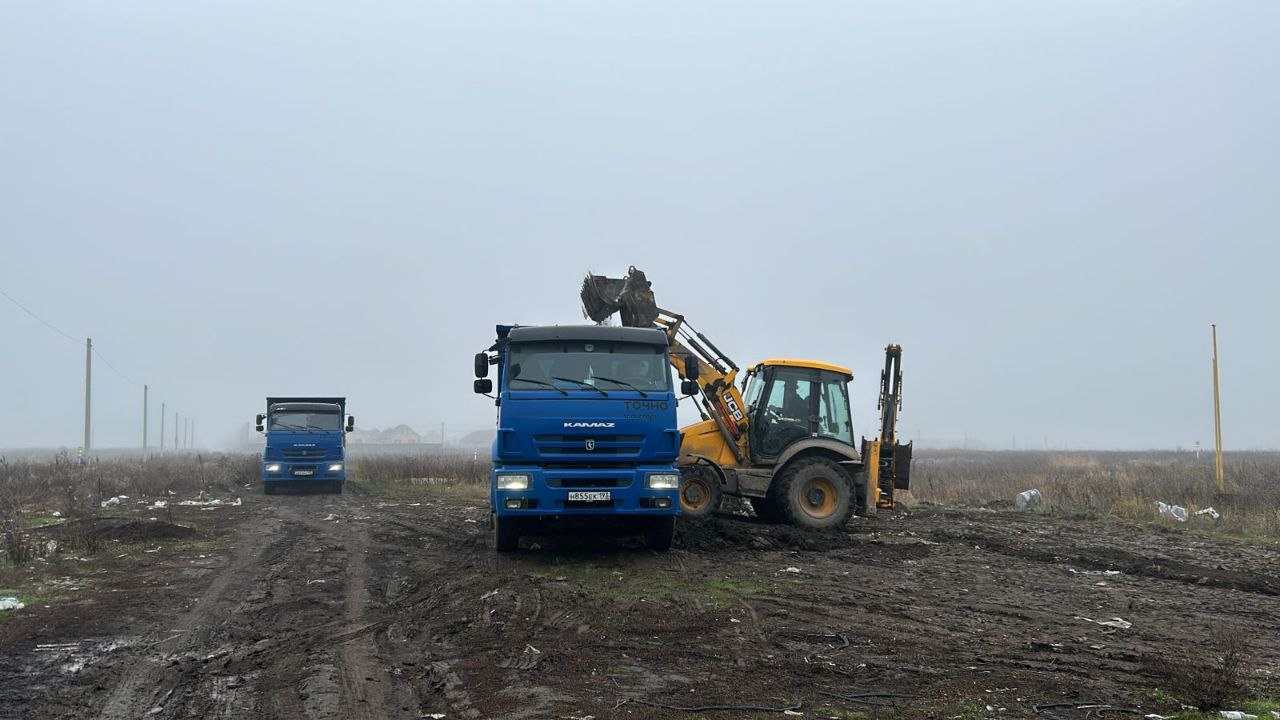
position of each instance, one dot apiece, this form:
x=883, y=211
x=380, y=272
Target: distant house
x=398, y=435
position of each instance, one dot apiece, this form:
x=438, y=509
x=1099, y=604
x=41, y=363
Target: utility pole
x=88, y=387
x=144, y=421
x=1217, y=415
x=177, y=442
x=161, y=428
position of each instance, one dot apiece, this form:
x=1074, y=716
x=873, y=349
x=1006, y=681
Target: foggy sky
x=1046, y=204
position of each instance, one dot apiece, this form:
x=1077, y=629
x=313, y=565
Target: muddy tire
x=815, y=493
x=506, y=534
x=336, y=487
x=268, y=488
x=660, y=532
x=700, y=493
x=766, y=508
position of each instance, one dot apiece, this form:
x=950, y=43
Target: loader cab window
x=833, y=408
x=782, y=414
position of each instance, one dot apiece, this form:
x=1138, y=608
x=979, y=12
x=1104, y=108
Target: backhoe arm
x=692, y=355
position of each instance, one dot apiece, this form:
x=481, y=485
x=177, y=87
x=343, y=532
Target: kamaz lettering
x=589, y=424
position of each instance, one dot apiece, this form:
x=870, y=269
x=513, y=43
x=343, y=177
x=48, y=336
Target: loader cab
x=791, y=400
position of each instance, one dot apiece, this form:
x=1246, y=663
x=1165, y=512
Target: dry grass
x=455, y=468
x=1210, y=673
x=1118, y=484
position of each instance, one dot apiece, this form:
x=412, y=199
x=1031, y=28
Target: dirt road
x=317, y=606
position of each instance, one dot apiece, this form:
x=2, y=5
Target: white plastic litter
x=1028, y=499
x=210, y=502
x=1114, y=622
x=160, y=504
x=331, y=516
x=114, y=501
x=1236, y=715
x=1210, y=512
x=55, y=513
x=1177, y=512
x=10, y=603
x=790, y=570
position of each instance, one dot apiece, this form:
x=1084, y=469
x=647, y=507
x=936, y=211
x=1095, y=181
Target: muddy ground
x=356, y=606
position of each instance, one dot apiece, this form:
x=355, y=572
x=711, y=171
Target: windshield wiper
x=540, y=382
x=622, y=383
x=583, y=383
x=287, y=426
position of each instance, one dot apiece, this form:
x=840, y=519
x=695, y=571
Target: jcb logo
x=733, y=407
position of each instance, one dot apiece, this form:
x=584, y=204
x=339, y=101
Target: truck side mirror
x=257, y=421
x=351, y=423
x=688, y=387
x=691, y=368
x=482, y=365
x=483, y=386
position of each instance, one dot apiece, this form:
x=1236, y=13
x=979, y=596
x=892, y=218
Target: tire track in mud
x=150, y=682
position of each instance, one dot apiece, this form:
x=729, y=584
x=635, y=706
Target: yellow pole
x=1217, y=415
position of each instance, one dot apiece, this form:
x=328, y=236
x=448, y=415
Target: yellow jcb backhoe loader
x=784, y=440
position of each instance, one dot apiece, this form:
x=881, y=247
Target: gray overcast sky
x=1045, y=203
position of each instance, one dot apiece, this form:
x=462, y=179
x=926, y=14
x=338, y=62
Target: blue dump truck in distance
x=586, y=432
x=306, y=443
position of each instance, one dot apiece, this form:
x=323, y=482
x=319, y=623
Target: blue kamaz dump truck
x=586, y=432
x=306, y=442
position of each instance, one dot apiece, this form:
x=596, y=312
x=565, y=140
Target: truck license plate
x=304, y=472
x=590, y=496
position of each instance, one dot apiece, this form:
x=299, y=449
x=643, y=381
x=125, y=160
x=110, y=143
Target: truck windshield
x=305, y=420
x=586, y=365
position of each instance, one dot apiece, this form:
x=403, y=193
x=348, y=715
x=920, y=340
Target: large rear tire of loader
x=660, y=532
x=700, y=493
x=815, y=493
x=506, y=534
x=766, y=508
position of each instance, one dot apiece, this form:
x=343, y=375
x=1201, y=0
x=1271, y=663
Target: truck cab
x=586, y=431
x=306, y=443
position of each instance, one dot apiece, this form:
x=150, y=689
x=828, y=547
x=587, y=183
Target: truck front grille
x=579, y=483
x=588, y=445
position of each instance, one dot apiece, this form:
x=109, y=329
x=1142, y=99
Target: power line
x=113, y=368
x=44, y=322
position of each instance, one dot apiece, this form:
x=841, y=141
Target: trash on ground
x=10, y=603
x=114, y=501
x=790, y=570
x=331, y=516
x=160, y=504
x=1028, y=499
x=1114, y=622
x=1236, y=715
x=210, y=502
x=1210, y=512
x=488, y=595
x=1177, y=512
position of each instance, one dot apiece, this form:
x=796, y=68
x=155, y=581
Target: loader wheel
x=815, y=493
x=506, y=534
x=659, y=533
x=699, y=493
x=766, y=509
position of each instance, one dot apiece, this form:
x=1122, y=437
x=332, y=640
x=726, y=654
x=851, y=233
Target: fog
x=1046, y=204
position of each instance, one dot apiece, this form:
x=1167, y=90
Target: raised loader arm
x=692, y=355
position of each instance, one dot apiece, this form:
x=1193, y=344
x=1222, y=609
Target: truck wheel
x=336, y=487
x=506, y=534
x=699, y=492
x=268, y=488
x=815, y=493
x=660, y=532
x=766, y=509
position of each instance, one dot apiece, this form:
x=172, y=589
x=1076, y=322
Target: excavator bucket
x=630, y=297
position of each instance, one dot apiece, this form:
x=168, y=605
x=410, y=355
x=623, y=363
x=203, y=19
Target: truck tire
x=766, y=508
x=506, y=534
x=700, y=493
x=335, y=487
x=815, y=492
x=660, y=532
x=268, y=488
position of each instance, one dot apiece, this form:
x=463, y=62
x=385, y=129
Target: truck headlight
x=513, y=482
x=336, y=467
x=665, y=481
x=274, y=467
